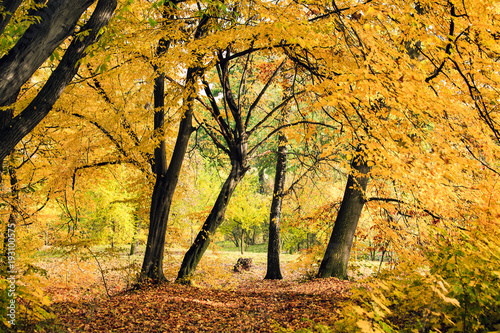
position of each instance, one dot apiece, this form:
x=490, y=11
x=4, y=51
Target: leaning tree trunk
x=57, y=21
x=166, y=179
x=336, y=257
x=166, y=182
x=213, y=221
x=16, y=59
x=273, y=247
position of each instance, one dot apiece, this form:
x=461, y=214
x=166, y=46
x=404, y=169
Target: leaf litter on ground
x=223, y=302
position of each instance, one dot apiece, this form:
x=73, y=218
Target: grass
x=229, y=246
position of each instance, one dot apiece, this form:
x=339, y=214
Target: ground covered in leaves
x=267, y=306
x=219, y=301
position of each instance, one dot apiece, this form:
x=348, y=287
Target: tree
x=230, y=134
x=337, y=253
x=57, y=21
x=273, y=249
x=167, y=177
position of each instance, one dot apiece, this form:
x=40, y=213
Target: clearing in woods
x=220, y=300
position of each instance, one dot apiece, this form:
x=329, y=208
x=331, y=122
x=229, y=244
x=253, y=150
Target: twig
x=100, y=269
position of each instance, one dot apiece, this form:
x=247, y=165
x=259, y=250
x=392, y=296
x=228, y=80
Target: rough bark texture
x=58, y=20
x=163, y=193
x=273, y=247
x=336, y=257
x=5, y=117
x=152, y=266
x=41, y=105
x=213, y=221
x=167, y=178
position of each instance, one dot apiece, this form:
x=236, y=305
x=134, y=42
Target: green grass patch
x=229, y=246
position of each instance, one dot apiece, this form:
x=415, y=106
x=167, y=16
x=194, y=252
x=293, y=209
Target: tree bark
x=273, y=247
x=213, y=221
x=242, y=243
x=58, y=20
x=334, y=263
x=5, y=117
x=167, y=178
x=12, y=77
x=233, y=129
x=164, y=190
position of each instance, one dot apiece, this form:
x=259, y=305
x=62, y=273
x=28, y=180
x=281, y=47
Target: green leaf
x=152, y=22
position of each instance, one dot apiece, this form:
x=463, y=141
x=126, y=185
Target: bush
x=31, y=305
x=455, y=288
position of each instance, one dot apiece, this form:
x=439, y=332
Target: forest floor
x=220, y=300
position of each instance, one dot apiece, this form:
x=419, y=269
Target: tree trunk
x=5, y=117
x=113, y=230
x=166, y=179
x=273, y=247
x=25, y=59
x=58, y=19
x=213, y=221
x=235, y=236
x=165, y=185
x=336, y=257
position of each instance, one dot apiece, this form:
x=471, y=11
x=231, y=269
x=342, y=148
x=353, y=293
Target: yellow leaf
x=380, y=302
x=365, y=326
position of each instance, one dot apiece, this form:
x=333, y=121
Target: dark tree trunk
x=167, y=178
x=113, y=231
x=235, y=135
x=336, y=257
x=242, y=243
x=235, y=235
x=5, y=117
x=273, y=248
x=213, y=221
x=166, y=182
x=64, y=14
x=58, y=20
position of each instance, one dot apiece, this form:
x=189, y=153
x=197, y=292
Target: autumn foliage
x=153, y=135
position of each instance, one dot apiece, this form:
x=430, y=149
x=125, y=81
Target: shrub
x=453, y=286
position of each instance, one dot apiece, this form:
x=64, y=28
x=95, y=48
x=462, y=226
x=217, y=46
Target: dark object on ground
x=243, y=264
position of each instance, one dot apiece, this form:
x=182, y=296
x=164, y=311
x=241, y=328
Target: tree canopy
x=168, y=123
